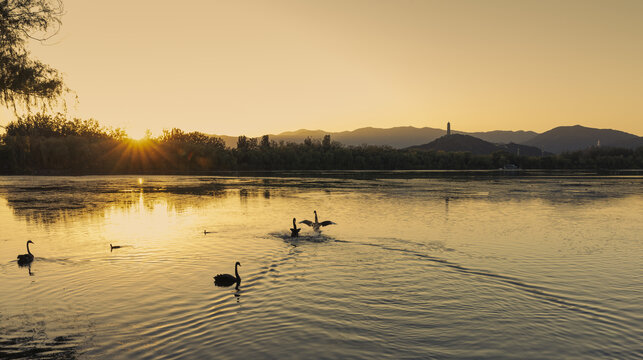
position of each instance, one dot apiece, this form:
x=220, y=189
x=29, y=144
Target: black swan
x=27, y=258
x=316, y=225
x=294, y=231
x=227, y=279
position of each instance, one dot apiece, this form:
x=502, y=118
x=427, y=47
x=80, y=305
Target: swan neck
x=236, y=272
x=28, y=252
x=316, y=218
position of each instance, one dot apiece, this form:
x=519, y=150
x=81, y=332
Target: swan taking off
x=316, y=225
x=227, y=279
x=27, y=258
x=294, y=232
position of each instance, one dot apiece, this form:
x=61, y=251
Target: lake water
x=417, y=266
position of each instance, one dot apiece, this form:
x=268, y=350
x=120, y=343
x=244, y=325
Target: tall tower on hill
x=448, y=128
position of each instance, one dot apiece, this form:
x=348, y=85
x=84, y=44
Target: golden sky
x=266, y=66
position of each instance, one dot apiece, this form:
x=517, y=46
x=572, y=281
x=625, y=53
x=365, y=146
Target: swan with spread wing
x=317, y=225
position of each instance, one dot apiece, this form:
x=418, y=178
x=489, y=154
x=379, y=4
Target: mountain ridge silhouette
x=556, y=140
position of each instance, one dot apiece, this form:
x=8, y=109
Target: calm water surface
x=426, y=267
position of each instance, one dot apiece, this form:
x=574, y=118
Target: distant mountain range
x=563, y=138
x=474, y=145
x=570, y=138
x=397, y=137
x=502, y=136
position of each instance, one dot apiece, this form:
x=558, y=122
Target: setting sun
x=139, y=134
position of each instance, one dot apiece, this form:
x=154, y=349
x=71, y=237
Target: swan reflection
x=28, y=266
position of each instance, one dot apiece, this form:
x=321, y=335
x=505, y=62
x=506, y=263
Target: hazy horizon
x=456, y=130
x=252, y=67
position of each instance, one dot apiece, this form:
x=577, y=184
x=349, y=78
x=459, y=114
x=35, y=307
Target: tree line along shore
x=43, y=144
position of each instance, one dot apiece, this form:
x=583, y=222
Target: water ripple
x=606, y=316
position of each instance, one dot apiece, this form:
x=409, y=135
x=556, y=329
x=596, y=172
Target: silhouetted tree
x=265, y=142
x=23, y=80
x=326, y=142
x=242, y=143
